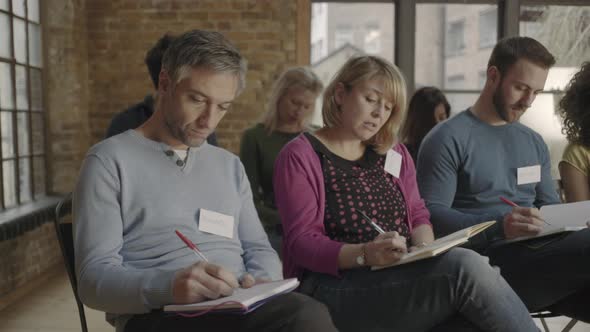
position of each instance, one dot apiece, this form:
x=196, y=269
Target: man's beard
x=503, y=109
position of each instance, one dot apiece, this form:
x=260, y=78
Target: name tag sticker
x=393, y=163
x=216, y=223
x=530, y=174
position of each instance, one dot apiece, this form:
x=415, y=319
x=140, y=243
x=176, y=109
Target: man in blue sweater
x=466, y=163
x=135, y=189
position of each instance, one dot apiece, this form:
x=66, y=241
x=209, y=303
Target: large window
x=348, y=29
x=565, y=31
x=448, y=49
x=22, y=169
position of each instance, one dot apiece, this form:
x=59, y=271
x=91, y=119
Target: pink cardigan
x=300, y=197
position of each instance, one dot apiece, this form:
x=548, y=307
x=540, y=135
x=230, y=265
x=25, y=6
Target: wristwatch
x=361, y=259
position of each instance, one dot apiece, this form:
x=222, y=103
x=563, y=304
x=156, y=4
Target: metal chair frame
x=66, y=244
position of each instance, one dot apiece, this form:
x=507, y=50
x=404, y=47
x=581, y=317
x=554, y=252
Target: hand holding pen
x=386, y=248
x=521, y=221
x=201, y=281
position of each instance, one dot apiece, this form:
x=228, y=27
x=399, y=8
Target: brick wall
x=66, y=90
x=26, y=259
x=120, y=32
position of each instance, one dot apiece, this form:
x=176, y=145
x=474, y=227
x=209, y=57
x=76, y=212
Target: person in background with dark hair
x=137, y=114
x=574, y=109
x=428, y=107
x=468, y=162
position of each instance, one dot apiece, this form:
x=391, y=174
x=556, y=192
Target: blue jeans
x=421, y=296
x=549, y=273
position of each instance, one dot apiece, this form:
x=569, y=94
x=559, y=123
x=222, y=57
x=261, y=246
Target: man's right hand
x=202, y=281
x=522, y=221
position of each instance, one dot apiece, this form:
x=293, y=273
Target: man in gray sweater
x=136, y=188
x=468, y=162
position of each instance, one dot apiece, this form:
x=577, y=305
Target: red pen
x=511, y=203
x=507, y=201
x=191, y=245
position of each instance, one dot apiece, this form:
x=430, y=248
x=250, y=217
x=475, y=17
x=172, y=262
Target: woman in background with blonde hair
x=330, y=182
x=291, y=105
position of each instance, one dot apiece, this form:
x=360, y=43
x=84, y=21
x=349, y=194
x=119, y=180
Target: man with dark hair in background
x=137, y=114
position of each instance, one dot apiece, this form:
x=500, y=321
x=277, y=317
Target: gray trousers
x=549, y=273
x=291, y=312
x=457, y=291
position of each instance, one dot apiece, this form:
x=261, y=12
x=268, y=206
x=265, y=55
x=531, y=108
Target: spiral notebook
x=440, y=245
x=244, y=300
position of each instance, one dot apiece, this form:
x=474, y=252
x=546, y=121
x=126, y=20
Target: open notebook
x=440, y=245
x=568, y=217
x=243, y=300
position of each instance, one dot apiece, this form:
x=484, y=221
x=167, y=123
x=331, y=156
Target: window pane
x=22, y=101
x=22, y=120
x=341, y=30
x=453, y=45
x=9, y=176
x=24, y=167
x=4, y=4
x=5, y=47
x=18, y=7
x=20, y=40
x=35, y=58
x=39, y=175
x=461, y=101
x=33, y=8
x=36, y=90
x=6, y=95
x=565, y=31
x=38, y=130
x=7, y=134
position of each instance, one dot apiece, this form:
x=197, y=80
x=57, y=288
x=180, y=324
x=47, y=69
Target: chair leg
x=570, y=325
x=82, y=317
x=545, y=327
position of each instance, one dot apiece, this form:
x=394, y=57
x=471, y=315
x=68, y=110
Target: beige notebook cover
x=440, y=245
x=242, y=300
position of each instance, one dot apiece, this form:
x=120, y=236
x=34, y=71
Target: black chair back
x=66, y=244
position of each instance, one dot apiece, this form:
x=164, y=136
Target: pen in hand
x=191, y=245
x=511, y=203
x=371, y=222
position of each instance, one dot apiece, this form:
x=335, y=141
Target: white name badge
x=530, y=174
x=393, y=163
x=216, y=223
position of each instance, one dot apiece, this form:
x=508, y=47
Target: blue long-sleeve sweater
x=465, y=165
x=132, y=194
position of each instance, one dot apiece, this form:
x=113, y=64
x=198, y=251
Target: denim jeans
x=286, y=313
x=421, y=296
x=549, y=273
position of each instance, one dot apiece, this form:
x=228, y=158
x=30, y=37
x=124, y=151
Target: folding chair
x=66, y=243
x=542, y=315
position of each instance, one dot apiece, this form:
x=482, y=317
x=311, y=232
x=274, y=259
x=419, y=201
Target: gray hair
x=209, y=49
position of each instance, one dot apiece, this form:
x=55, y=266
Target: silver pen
x=375, y=226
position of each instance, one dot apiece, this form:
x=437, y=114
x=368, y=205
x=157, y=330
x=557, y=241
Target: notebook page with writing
x=440, y=245
x=242, y=297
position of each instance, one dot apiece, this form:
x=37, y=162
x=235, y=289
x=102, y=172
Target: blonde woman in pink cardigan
x=323, y=183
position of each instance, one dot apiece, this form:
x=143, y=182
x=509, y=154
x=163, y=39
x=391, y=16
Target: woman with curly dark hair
x=575, y=113
x=428, y=107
